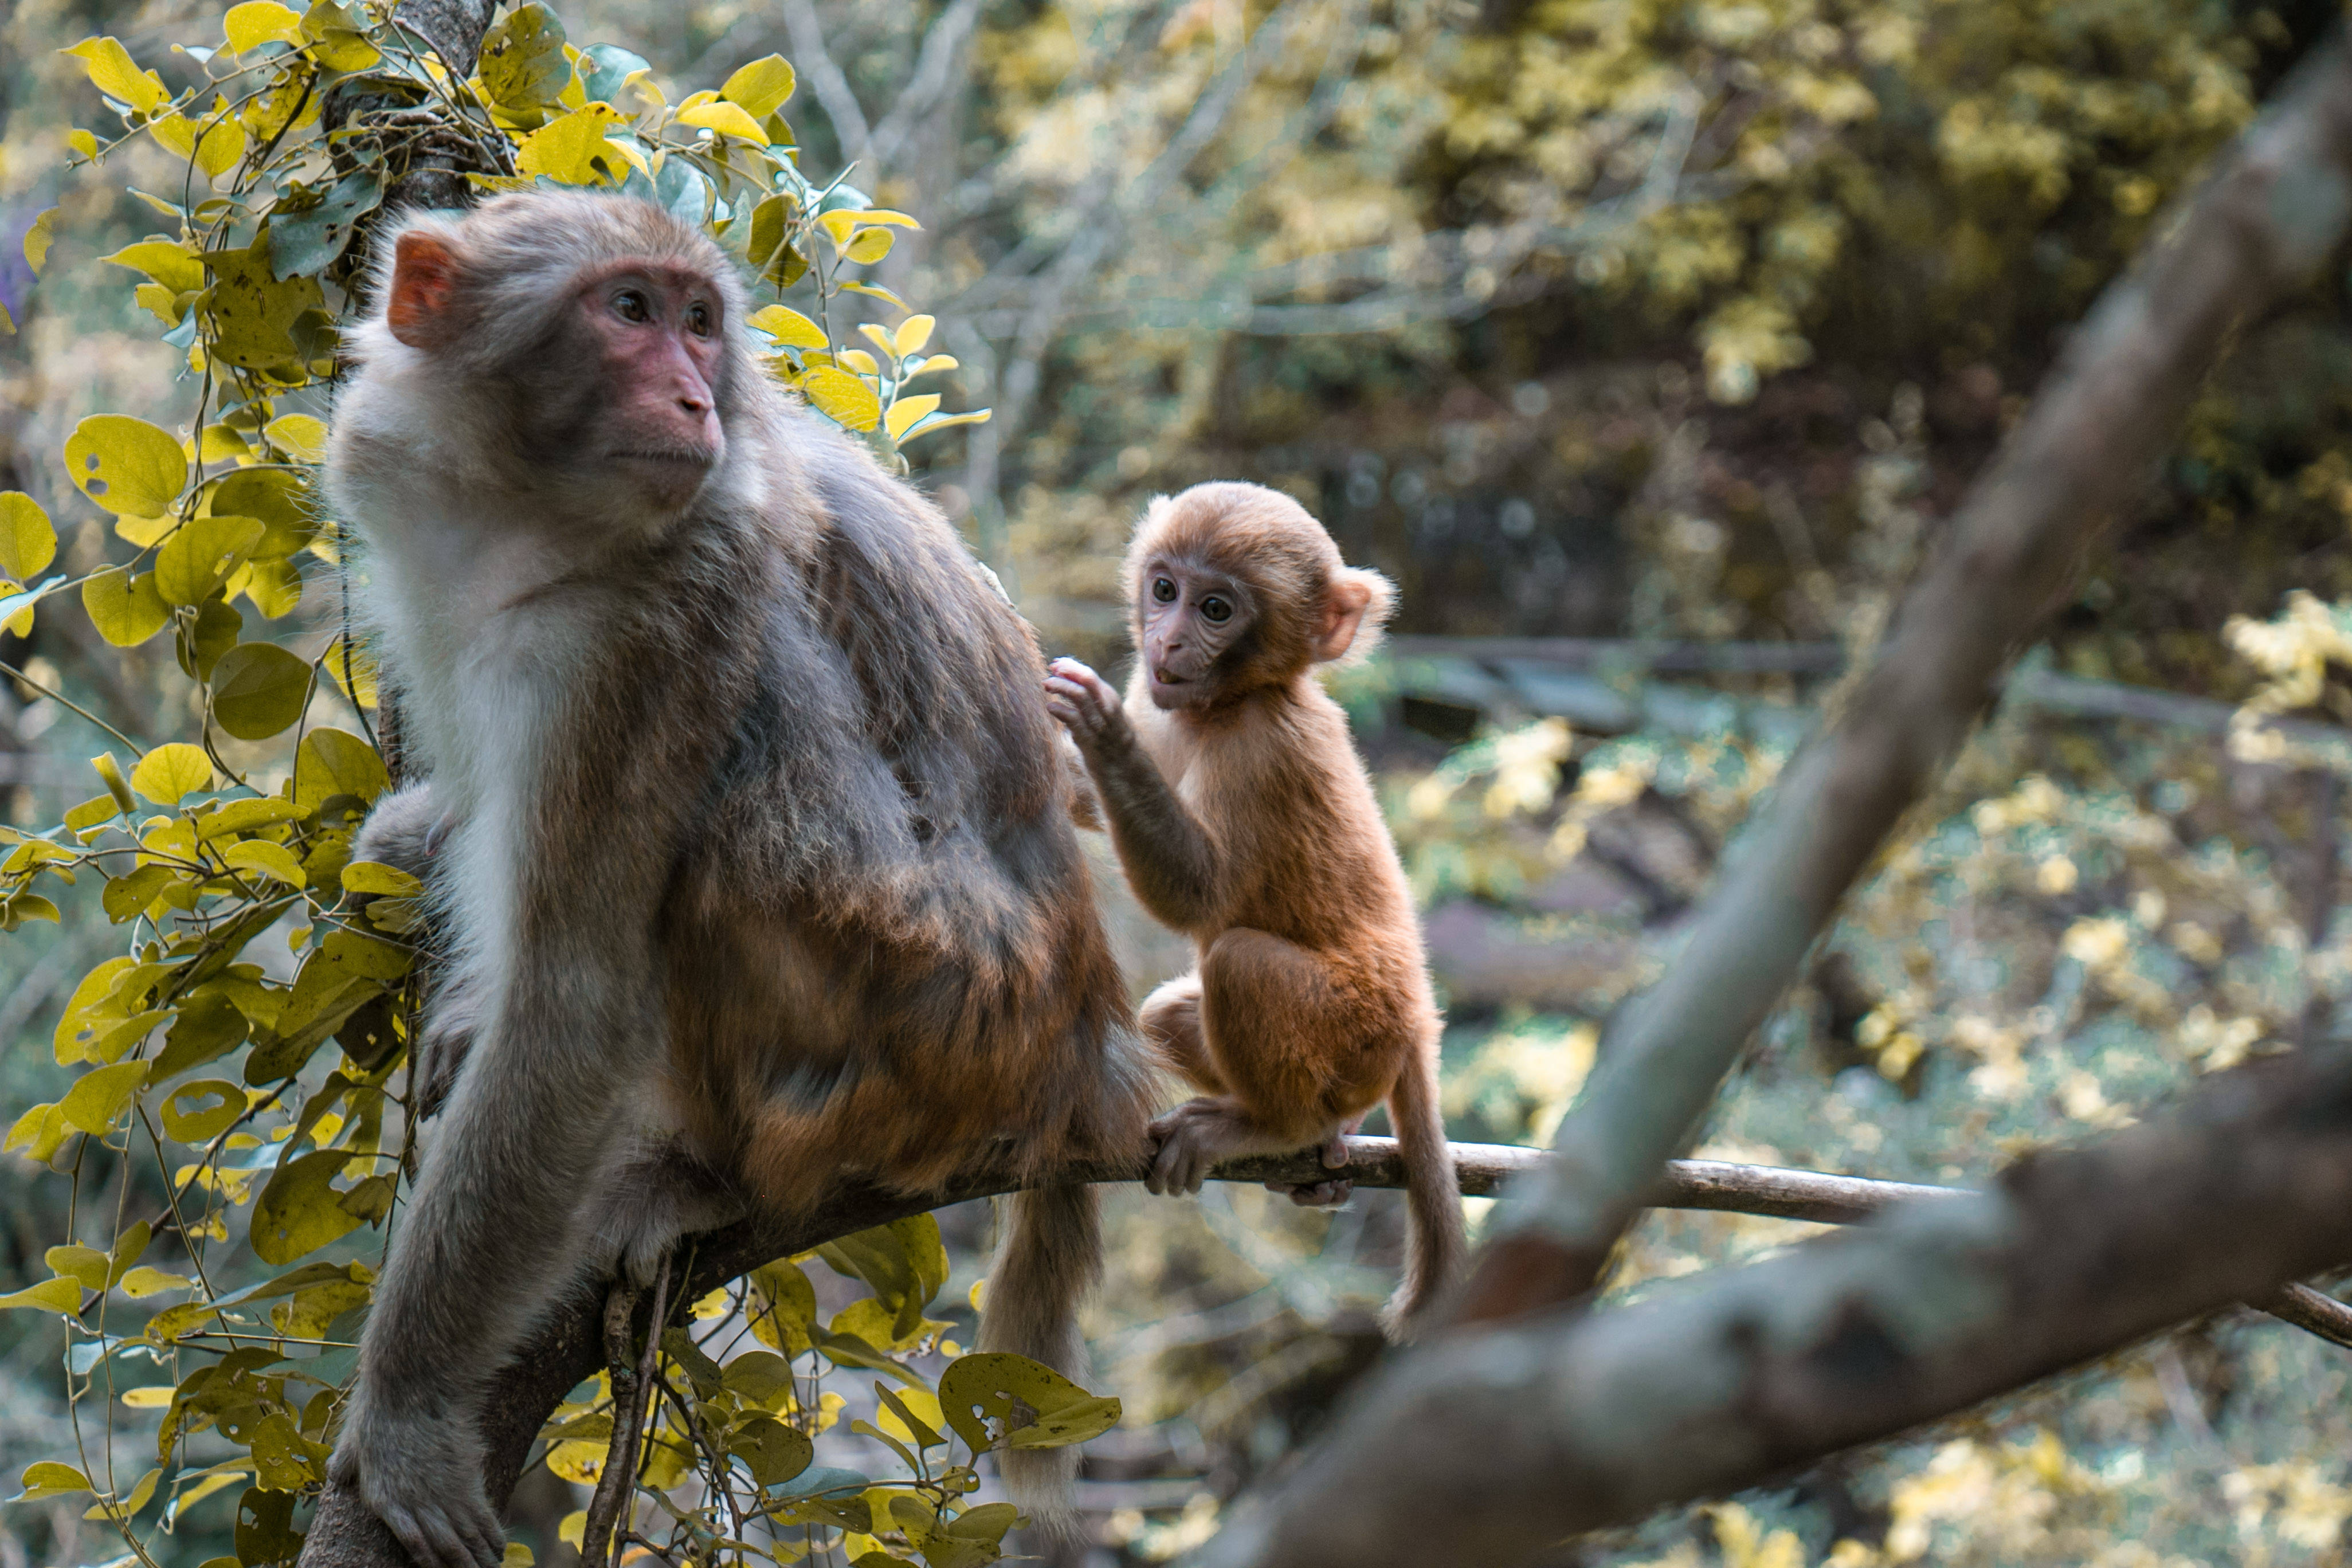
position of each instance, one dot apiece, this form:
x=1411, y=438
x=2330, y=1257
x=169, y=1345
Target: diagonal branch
x=1560, y=1423
x=807, y=31
x=2271, y=213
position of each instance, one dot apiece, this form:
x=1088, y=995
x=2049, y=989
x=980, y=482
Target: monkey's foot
x=422, y=1476
x=1189, y=1140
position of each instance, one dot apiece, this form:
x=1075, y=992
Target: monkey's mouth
x=692, y=456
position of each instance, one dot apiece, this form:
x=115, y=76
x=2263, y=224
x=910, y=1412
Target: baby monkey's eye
x=697, y=320
x=1216, y=610
x=1163, y=590
x=630, y=306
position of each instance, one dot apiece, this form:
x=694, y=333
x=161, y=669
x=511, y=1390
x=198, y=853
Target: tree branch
x=1520, y=1435
x=572, y=1347
x=2272, y=210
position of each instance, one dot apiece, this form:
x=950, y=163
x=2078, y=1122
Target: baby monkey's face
x=1192, y=618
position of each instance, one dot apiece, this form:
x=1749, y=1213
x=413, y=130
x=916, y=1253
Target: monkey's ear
x=423, y=282
x=1353, y=611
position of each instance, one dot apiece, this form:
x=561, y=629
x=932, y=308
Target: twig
x=633, y=1385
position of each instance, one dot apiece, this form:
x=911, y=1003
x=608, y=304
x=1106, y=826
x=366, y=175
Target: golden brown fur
x=1244, y=819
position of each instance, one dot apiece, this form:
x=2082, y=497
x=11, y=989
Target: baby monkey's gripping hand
x=1087, y=707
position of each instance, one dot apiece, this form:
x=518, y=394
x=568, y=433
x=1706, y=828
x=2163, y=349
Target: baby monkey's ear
x=1354, y=610
x=420, y=307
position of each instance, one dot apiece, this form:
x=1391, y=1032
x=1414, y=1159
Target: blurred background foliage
x=1678, y=325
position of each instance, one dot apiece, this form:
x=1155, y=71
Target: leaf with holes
x=301, y=1211
x=129, y=467
x=1031, y=1403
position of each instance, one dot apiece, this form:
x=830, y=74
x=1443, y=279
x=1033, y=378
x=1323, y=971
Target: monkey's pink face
x=658, y=333
x=1191, y=618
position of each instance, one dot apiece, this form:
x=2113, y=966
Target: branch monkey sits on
x=1244, y=819
x=740, y=812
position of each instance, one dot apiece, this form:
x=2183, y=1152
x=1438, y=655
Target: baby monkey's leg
x=1287, y=1059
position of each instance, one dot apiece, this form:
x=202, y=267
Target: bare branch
x=1520, y=1435
x=2272, y=210
x=807, y=31
x=937, y=65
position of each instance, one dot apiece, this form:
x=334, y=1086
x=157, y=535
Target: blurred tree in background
x=1676, y=325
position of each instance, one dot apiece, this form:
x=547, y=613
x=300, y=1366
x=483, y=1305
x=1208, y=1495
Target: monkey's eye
x=697, y=320
x=1163, y=590
x=1216, y=610
x=630, y=306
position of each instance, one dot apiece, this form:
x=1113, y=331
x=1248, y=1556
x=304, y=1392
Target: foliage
x=200, y=1049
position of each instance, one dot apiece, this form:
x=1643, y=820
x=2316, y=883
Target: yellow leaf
x=48, y=1295
x=335, y=762
x=38, y=239
x=49, y=1479
x=299, y=1211
x=336, y=42
x=386, y=881
x=170, y=772
x=906, y=410
x=869, y=246
x=82, y=142
x=879, y=338
x=353, y=670
x=126, y=610
x=154, y=1396
x=788, y=327
x=913, y=333
x=861, y=362
x=298, y=436
x=572, y=150
x=759, y=87
x=146, y=1282
x=727, y=119
x=129, y=467
x=861, y=216
x=272, y=860
x=27, y=541
x=948, y=421
x=258, y=21
x=198, y=1122
x=99, y=1095
x=841, y=397
x=167, y=261
x=934, y=363
x=115, y=74
x=144, y=532
x=200, y=556
x=110, y=772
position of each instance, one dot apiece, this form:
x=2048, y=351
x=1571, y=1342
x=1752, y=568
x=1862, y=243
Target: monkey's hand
x=1087, y=705
x=420, y=1473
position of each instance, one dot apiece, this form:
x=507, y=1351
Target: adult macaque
x=1242, y=817
x=741, y=814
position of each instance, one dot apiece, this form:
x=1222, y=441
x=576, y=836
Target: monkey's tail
x=1050, y=1257
x=1435, y=1250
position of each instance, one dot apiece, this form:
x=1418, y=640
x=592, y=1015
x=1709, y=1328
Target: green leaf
x=170, y=772
x=114, y=73
x=27, y=541
x=788, y=327
x=209, y=1026
x=111, y=772
x=271, y=495
x=129, y=467
x=785, y=1305
x=252, y=313
x=385, y=882
x=126, y=610
x=258, y=690
x=336, y=43
x=335, y=762
x=301, y=1211
x=144, y=1281
x=37, y=1134
x=1033, y=1405
x=841, y=397
x=604, y=67
x=85, y=1266
x=201, y=555
x=774, y=1452
x=101, y=1094
x=127, y=897
x=311, y=239
x=258, y=21
x=366, y=957
x=522, y=64
x=760, y=88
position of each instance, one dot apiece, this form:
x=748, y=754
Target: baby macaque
x=1244, y=819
